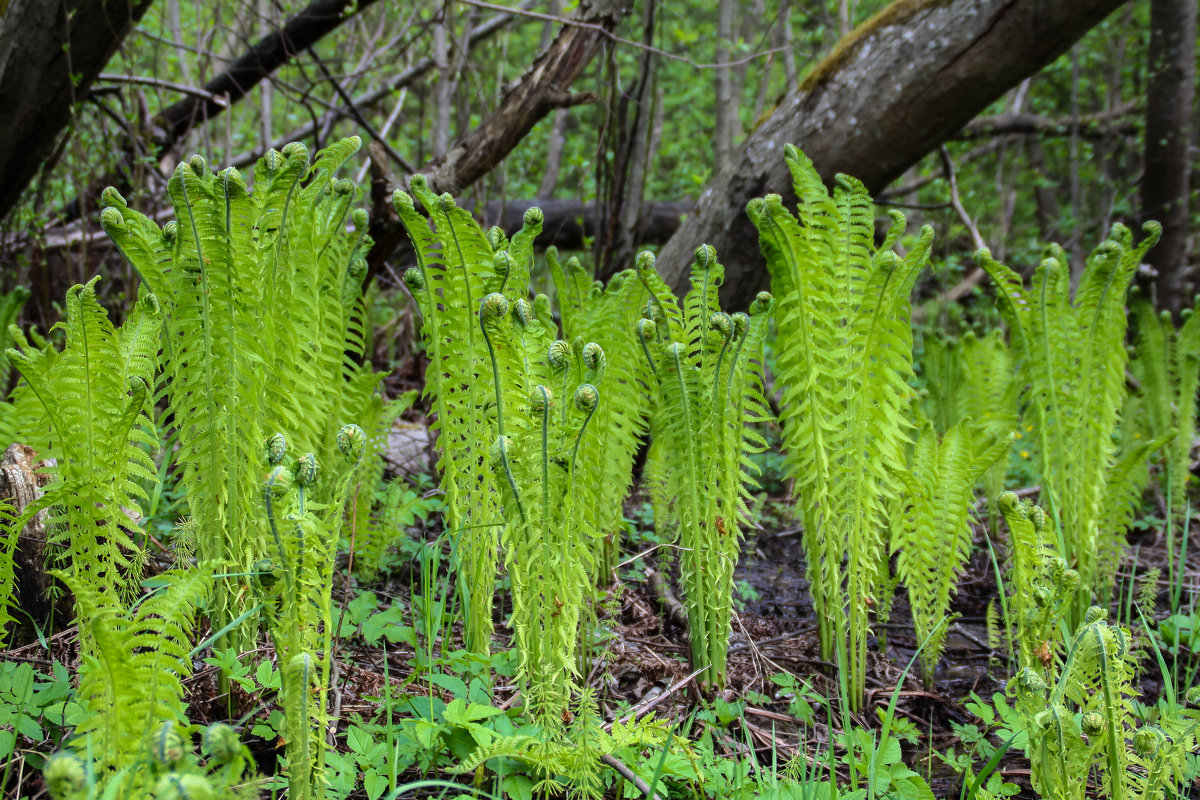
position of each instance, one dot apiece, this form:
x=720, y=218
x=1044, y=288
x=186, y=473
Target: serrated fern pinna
x=844, y=364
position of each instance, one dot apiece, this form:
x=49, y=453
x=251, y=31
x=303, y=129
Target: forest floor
x=643, y=661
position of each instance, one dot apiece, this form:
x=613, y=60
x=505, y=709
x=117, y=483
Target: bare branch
x=158, y=83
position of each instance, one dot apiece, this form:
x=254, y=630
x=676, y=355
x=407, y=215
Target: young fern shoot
x=457, y=266
x=708, y=369
x=608, y=316
x=932, y=535
x=305, y=534
x=549, y=536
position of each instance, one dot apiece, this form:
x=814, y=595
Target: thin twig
x=976, y=277
x=524, y=12
x=629, y=775
x=158, y=83
x=641, y=708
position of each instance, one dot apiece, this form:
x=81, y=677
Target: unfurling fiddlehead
x=305, y=534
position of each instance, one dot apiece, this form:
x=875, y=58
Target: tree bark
x=50, y=52
x=1168, y=133
x=899, y=85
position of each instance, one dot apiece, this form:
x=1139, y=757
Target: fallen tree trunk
x=891, y=92
x=567, y=221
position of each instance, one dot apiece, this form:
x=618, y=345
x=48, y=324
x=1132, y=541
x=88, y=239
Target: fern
x=1041, y=587
x=608, y=316
x=456, y=268
x=990, y=393
x=375, y=530
x=1083, y=719
x=96, y=394
x=844, y=361
x=1073, y=358
x=546, y=400
x=1167, y=365
x=130, y=686
x=305, y=535
x=708, y=369
x=262, y=301
x=571, y=764
x=8, y=579
x=931, y=536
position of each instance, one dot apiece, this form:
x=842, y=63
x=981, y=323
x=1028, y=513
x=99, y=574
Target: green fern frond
x=843, y=312
x=132, y=683
x=1073, y=358
x=931, y=537
x=453, y=274
x=95, y=393
x=709, y=383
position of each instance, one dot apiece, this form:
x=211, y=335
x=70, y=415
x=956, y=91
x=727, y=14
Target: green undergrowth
x=263, y=609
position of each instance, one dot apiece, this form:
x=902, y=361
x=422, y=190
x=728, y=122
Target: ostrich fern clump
x=844, y=364
x=707, y=366
x=261, y=294
x=546, y=400
x=1083, y=720
x=457, y=266
x=305, y=533
x=1167, y=365
x=608, y=316
x=931, y=534
x=96, y=393
x=1072, y=358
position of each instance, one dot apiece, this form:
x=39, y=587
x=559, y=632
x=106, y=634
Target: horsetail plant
x=1072, y=354
x=457, y=266
x=262, y=303
x=305, y=535
x=844, y=362
x=707, y=366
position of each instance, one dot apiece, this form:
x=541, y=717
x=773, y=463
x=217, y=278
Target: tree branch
x=930, y=68
x=272, y=51
x=543, y=88
x=1088, y=126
